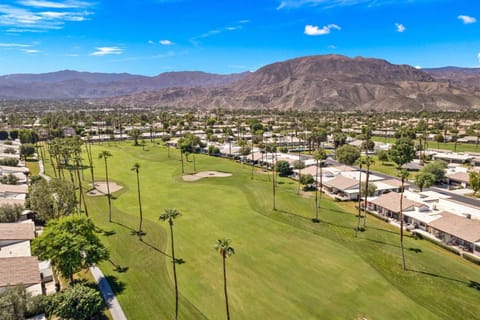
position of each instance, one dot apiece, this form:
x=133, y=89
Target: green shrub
x=438, y=243
x=471, y=258
x=9, y=162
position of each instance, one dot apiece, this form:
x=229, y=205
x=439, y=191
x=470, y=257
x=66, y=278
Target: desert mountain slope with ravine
x=330, y=82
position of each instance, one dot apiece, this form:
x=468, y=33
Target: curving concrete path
x=107, y=293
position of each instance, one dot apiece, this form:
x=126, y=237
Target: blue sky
x=154, y=36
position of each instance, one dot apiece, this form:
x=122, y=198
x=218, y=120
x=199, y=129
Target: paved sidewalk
x=107, y=294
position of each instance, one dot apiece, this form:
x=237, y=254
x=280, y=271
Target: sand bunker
x=101, y=188
x=205, y=174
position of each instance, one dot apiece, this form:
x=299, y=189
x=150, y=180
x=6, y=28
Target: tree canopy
x=402, y=152
x=71, y=244
x=347, y=154
x=283, y=168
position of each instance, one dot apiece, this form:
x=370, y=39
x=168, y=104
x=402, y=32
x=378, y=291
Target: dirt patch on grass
x=101, y=188
x=205, y=174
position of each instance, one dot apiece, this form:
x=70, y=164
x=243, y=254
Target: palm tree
x=360, y=163
x=368, y=162
x=78, y=163
x=170, y=215
x=403, y=175
x=225, y=250
x=136, y=168
x=319, y=155
x=105, y=155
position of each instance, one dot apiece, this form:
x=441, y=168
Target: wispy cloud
x=39, y=15
x=467, y=19
x=400, y=27
x=293, y=4
x=54, y=4
x=166, y=42
x=311, y=30
x=14, y=45
x=103, y=51
x=239, y=25
x=30, y=51
x=151, y=42
x=478, y=57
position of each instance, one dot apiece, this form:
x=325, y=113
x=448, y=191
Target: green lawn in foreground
x=285, y=267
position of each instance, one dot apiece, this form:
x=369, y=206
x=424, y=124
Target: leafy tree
x=306, y=179
x=71, y=244
x=52, y=199
x=382, y=156
x=402, y=152
x=170, y=215
x=105, y=155
x=474, y=179
x=13, y=134
x=369, y=189
x=9, y=179
x=424, y=180
x=437, y=168
x=347, y=154
x=13, y=303
x=213, y=151
x=27, y=150
x=283, y=168
x=79, y=302
x=299, y=165
x=225, y=250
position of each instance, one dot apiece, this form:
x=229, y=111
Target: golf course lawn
x=285, y=267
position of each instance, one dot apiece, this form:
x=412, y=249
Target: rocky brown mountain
x=464, y=76
x=329, y=82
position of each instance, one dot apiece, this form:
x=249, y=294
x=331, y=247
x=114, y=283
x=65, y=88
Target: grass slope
x=285, y=266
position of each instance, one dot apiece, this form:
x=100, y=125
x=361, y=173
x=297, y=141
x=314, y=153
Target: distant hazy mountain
x=329, y=82
x=69, y=84
x=465, y=76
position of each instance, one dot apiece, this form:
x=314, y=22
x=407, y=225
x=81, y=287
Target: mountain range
x=328, y=82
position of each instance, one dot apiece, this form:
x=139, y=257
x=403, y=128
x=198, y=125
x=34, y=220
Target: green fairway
x=449, y=146
x=285, y=267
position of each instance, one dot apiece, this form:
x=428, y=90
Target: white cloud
x=166, y=42
x=400, y=27
x=30, y=51
x=467, y=19
x=418, y=67
x=478, y=57
x=54, y=5
x=316, y=31
x=14, y=45
x=103, y=51
x=150, y=42
x=39, y=15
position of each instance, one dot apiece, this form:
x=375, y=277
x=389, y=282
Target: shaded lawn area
x=285, y=267
x=33, y=166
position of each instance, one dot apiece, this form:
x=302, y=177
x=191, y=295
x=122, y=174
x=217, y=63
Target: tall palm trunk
x=316, y=194
x=401, y=227
x=82, y=196
x=174, y=268
x=88, y=147
x=225, y=285
x=273, y=180
x=140, y=208
x=181, y=159
x=359, y=201
x=366, y=194
x=108, y=192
